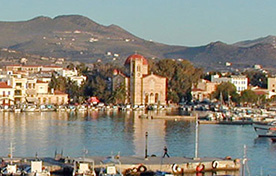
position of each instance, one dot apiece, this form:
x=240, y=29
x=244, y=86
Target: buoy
x=175, y=168
x=134, y=170
x=215, y=164
x=142, y=168
x=200, y=167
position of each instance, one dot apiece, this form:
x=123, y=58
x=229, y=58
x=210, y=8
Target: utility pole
x=146, y=146
x=196, y=137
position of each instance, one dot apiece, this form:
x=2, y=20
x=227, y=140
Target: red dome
x=136, y=56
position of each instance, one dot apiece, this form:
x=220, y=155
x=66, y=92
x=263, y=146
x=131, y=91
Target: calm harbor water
x=104, y=133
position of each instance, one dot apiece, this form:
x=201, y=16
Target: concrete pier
x=175, y=165
x=132, y=165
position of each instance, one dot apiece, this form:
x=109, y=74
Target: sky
x=174, y=22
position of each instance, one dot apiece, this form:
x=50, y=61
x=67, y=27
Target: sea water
x=100, y=133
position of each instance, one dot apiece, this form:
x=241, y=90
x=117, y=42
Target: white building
x=240, y=81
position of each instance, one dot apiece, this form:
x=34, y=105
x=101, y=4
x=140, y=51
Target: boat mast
x=196, y=137
x=244, y=161
x=11, y=151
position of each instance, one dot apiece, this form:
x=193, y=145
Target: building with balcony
x=6, y=94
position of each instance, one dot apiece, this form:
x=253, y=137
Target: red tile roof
x=4, y=85
x=39, y=81
x=134, y=57
x=57, y=92
x=196, y=90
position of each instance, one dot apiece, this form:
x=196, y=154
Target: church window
x=152, y=84
x=138, y=68
x=156, y=98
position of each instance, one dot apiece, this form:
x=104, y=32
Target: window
x=138, y=68
x=18, y=84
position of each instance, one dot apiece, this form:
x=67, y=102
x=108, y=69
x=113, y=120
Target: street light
x=146, y=147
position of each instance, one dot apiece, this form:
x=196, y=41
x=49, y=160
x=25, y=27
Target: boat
x=264, y=129
x=108, y=167
x=30, y=108
x=17, y=108
x=11, y=169
x=84, y=167
x=61, y=108
x=36, y=169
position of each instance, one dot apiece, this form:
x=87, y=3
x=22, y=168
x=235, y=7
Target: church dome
x=134, y=57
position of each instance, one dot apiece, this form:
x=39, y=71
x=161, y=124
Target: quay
x=168, y=117
x=217, y=122
x=133, y=165
x=175, y=165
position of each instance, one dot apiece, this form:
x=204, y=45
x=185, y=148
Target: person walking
x=166, y=152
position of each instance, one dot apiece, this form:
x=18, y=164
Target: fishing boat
x=84, y=167
x=265, y=129
x=108, y=167
x=11, y=168
x=36, y=169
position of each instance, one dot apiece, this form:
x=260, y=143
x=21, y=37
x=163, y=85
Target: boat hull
x=265, y=129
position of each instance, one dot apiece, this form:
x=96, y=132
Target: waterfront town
x=35, y=87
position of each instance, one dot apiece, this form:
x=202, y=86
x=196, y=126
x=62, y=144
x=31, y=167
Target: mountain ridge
x=79, y=38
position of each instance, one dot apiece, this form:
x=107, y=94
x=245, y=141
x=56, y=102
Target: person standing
x=166, y=152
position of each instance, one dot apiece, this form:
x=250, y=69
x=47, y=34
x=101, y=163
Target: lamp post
x=146, y=147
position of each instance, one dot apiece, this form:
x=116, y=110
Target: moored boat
x=11, y=169
x=36, y=169
x=109, y=167
x=84, y=167
x=264, y=129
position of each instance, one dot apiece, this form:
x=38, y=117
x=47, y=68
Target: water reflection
x=105, y=132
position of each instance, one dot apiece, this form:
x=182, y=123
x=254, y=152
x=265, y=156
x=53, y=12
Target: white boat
x=31, y=108
x=11, y=169
x=109, y=168
x=36, y=169
x=81, y=108
x=84, y=167
x=265, y=129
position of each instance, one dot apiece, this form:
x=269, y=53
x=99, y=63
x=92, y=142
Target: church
x=141, y=87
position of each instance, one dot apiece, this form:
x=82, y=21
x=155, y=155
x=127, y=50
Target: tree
x=248, y=96
x=180, y=75
x=225, y=90
x=257, y=78
x=118, y=95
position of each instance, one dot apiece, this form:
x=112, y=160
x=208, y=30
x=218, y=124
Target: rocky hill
x=78, y=38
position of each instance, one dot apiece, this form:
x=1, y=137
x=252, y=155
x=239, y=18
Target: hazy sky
x=178, y=22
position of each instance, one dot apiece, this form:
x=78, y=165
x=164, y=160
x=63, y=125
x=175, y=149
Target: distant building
x=257, y=67
x=6, y=94
x=240, y=81
x=267, y=93
x=141, y=87
x=203, y=89
x=228, y=64
x=271, y=84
